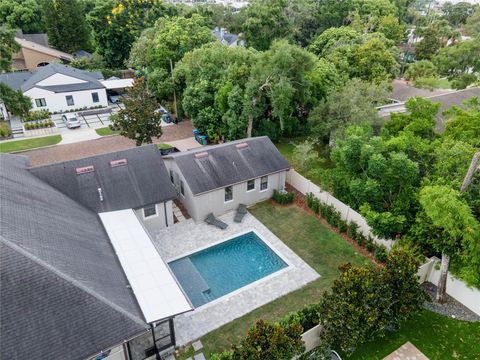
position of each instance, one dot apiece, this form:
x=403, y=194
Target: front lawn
x=437, y=336
x=28, y=144
x=105, y=131
x=307, y=237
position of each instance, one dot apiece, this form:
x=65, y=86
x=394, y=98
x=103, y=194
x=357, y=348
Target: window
x=264, y=183
x=40, y=102
x=228, y=193
x=95, y=97
x=149, y=211
x=250, y=185
x=182, y=189
x=70, y=101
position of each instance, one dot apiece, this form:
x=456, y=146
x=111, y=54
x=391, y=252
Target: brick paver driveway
x=106, y=144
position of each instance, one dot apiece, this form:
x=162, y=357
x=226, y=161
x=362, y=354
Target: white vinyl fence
x=305, y=186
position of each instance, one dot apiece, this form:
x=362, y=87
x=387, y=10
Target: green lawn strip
x=27, y=144
x=104, y=131
x=164, y=146
x=437, y=336
x=316, y=245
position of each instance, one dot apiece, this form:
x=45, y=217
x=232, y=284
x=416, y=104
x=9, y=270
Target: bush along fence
x=350, y=314
x=283, y=197
x=343, y=211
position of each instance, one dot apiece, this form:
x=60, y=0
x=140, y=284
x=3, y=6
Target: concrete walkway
x=77, y=135
x=187, y=237
x=406, y=352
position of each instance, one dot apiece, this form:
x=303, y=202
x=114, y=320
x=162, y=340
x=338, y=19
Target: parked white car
x=71, y=120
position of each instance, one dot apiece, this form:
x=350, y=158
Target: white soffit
x=117, y=84
x=154, y=286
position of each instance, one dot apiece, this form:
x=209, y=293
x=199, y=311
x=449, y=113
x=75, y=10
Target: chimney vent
x=241, y=146
x=100, y=194
x=121, y=162
x=201, y=155
x=85, y=169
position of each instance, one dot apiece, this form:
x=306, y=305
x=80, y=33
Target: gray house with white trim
x=73, y=239
x=216, y=179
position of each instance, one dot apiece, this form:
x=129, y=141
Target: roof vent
x=241, y=146
x=121, y=162
x=85, y=169
x=201, y=155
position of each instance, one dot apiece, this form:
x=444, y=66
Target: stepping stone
x=199, y=357
x=197, y=345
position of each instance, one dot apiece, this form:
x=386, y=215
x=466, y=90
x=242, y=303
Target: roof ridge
x=70, y=280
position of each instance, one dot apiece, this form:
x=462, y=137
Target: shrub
x=352, y=231
x=381, y=253
x=309, y=197
x=283, y=197
x=361, y=239
x=342, y=226
x=370, y=246
x=5, y=130
x=36, y=115
x=307, y=317
x=429, y=83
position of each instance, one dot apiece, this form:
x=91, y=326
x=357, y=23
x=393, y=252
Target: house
x=60, y=88
x=222, y=35
x=35, y=52
x=80, y=277
x=216, y=179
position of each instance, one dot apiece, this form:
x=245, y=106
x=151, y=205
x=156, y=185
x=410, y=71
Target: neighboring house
x=79, y=274
x=446, y=97
x=226, y=38
x=35, y=52
x=59, y=88
x=216, y=179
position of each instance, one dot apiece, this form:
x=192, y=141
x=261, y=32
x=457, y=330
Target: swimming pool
x=220, y=269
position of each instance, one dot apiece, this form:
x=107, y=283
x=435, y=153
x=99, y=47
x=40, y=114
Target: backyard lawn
x=27, y=144
x=307, y=237
x=437, y=336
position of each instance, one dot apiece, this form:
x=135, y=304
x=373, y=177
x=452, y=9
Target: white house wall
x=57, y=102
x=200, y=206
x=158, y=221
x=56, y=79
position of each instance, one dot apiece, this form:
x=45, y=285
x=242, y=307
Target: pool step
x=191, y=281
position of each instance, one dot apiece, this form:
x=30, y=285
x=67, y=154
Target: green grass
x=437, y=336
x=316, y=245
x=164, y=146
x=105, y=131
x=28, y=144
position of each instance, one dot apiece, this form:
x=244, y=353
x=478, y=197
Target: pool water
x=218, y=270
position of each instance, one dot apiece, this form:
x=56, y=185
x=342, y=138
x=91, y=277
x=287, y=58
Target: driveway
x=93, y=121
x=78, y=150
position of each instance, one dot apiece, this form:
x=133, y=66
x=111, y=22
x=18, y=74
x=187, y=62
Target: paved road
x=106, y=144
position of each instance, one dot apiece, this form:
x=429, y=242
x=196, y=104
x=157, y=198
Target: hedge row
x=334, y=218
x=38, y=124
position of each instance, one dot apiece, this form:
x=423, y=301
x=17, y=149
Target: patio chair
x=212, y=220
x=241, y=211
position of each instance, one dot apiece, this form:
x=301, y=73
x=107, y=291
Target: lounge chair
x=241, y=211
x=212, y=220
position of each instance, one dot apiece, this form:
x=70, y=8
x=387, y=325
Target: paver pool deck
x=189, y=237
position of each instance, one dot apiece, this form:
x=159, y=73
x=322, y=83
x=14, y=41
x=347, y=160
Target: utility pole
x=174, y=93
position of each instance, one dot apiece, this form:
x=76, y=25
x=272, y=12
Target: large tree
x=139, y=120
x=22, y=14
x=457, y=14
x=452, y=218
x=66, y=26
x=8, y=46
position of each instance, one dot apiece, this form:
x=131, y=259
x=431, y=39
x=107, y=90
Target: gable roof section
x=36, y=46
x=226, y=164
x=60, y=264
x=144, y=180
x=15, y=80
x=46, y=71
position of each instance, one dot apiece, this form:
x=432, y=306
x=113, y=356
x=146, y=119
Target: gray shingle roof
x=62, y=284
x=45, y=316
x=226, y=164
x=25, y=80
x=143, y=181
